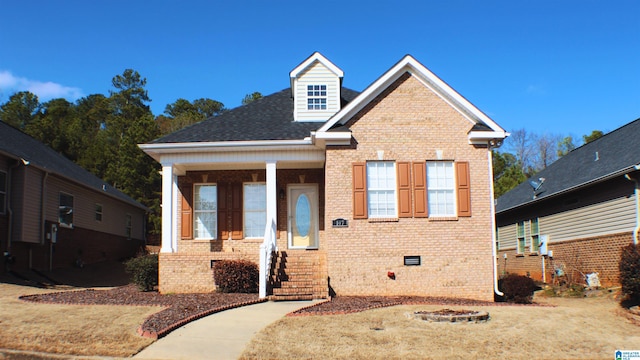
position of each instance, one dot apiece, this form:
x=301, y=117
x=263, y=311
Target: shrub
x=517, y=288
x=144, y=270
x=630, y=272
x=236, y=276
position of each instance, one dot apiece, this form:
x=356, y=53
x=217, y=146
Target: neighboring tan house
x=330, y=191
x=577, y=214
x=55, y=214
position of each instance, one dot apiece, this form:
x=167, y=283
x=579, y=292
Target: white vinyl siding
x=316, y=74
x=381, y=189
x=609, y=217
x=205, y=211
x=255, y=210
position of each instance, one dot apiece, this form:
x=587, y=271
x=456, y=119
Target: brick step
x=290, y=297
x=296, y=284
x=307, y=290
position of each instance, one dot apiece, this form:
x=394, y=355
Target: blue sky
x=563, y=66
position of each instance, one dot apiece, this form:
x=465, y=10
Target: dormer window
x=316, y=97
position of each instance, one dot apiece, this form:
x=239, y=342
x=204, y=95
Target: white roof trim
x=316, y=56
x=411, y=65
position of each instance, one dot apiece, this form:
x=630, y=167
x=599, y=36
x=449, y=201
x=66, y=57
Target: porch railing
x=267, y=248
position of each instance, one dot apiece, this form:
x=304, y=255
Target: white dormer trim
x=319, y=76
x=429, y=79
x=316, y=56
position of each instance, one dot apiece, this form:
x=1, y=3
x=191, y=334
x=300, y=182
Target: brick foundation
x=599, y=254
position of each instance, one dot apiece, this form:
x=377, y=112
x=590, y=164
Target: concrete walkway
x=223, y=335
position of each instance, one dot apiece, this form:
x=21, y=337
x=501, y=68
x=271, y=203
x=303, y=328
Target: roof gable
x=316, y=56
x=614, y=154
x=483, y=128
x=20, y=146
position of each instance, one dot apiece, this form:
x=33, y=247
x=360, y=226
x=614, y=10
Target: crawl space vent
x=412, y=261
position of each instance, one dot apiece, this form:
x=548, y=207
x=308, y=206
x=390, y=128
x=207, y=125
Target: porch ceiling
x=182, y=168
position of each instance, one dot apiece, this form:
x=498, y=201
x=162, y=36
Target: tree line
x=526, y=153
x=101, y=133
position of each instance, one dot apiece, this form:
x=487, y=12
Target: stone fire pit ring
x=451, y=316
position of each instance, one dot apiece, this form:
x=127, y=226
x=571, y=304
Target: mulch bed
x=183, y=308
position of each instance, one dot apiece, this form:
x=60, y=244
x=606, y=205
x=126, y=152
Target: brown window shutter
x=236, y=211
x=404, y=189
x=360, y=190
x=186, y=218
x=223, y=211
x=420, y=208
x=463, y=188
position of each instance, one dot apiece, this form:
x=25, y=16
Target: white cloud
x=44, y=90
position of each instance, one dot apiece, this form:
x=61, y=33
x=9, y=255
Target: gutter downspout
x=42, y=218
x=493, y=225
x=637, y=196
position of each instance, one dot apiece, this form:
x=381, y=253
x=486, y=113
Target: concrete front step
x=290, y=297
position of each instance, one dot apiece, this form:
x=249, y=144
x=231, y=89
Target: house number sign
x=340, y=223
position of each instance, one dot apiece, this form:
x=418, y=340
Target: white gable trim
x=411, y=65
x=316, y=56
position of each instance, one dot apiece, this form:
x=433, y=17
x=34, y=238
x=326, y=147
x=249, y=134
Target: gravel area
x=180, y=309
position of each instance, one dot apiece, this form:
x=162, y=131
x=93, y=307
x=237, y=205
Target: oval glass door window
x=303, y=215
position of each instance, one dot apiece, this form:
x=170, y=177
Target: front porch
x=288, y=248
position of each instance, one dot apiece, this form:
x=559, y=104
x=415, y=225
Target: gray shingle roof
x=268, y=118
x=14, y=143
x=613, y=153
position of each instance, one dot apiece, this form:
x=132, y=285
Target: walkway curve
x=222, y=335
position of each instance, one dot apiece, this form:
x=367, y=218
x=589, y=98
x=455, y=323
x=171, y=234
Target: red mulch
x=183, y=308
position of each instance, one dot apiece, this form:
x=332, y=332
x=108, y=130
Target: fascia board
x=223, y=145
x=477, y=137
x=408, y=63
x=316, y=56
x=600, y=179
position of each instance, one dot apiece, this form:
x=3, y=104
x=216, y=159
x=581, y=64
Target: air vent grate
x=412, y=261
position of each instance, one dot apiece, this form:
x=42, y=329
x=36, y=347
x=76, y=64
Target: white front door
x=303, y=216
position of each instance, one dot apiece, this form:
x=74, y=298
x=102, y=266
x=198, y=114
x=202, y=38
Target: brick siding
x=409, y=123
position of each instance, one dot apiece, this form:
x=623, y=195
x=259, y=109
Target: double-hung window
x=441, y=186
x=520, y=236
x=255, y=209
x=3, y=192
x=535, y=236
x=65, y=210
x=205, y=211
x=98, y=212
x=381, y=189
x=316, y=97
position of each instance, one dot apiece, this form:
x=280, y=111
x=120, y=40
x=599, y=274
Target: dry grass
x=573, y=329
x=69, y=329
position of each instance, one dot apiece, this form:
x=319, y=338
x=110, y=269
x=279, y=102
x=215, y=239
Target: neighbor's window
x=520, y=235
x=255, y=210
x=205, y=211
x=3, y=192
x=98, y=212
x=316, y=97
x=381, y=189
x=128, y=226
x=441, y=188
x=65, y=210
x=535, y=236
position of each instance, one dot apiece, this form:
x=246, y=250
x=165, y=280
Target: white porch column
x=272, y=195
x=169, y=208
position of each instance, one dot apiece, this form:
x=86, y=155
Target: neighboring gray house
x=586, y=206
x=54, y=214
